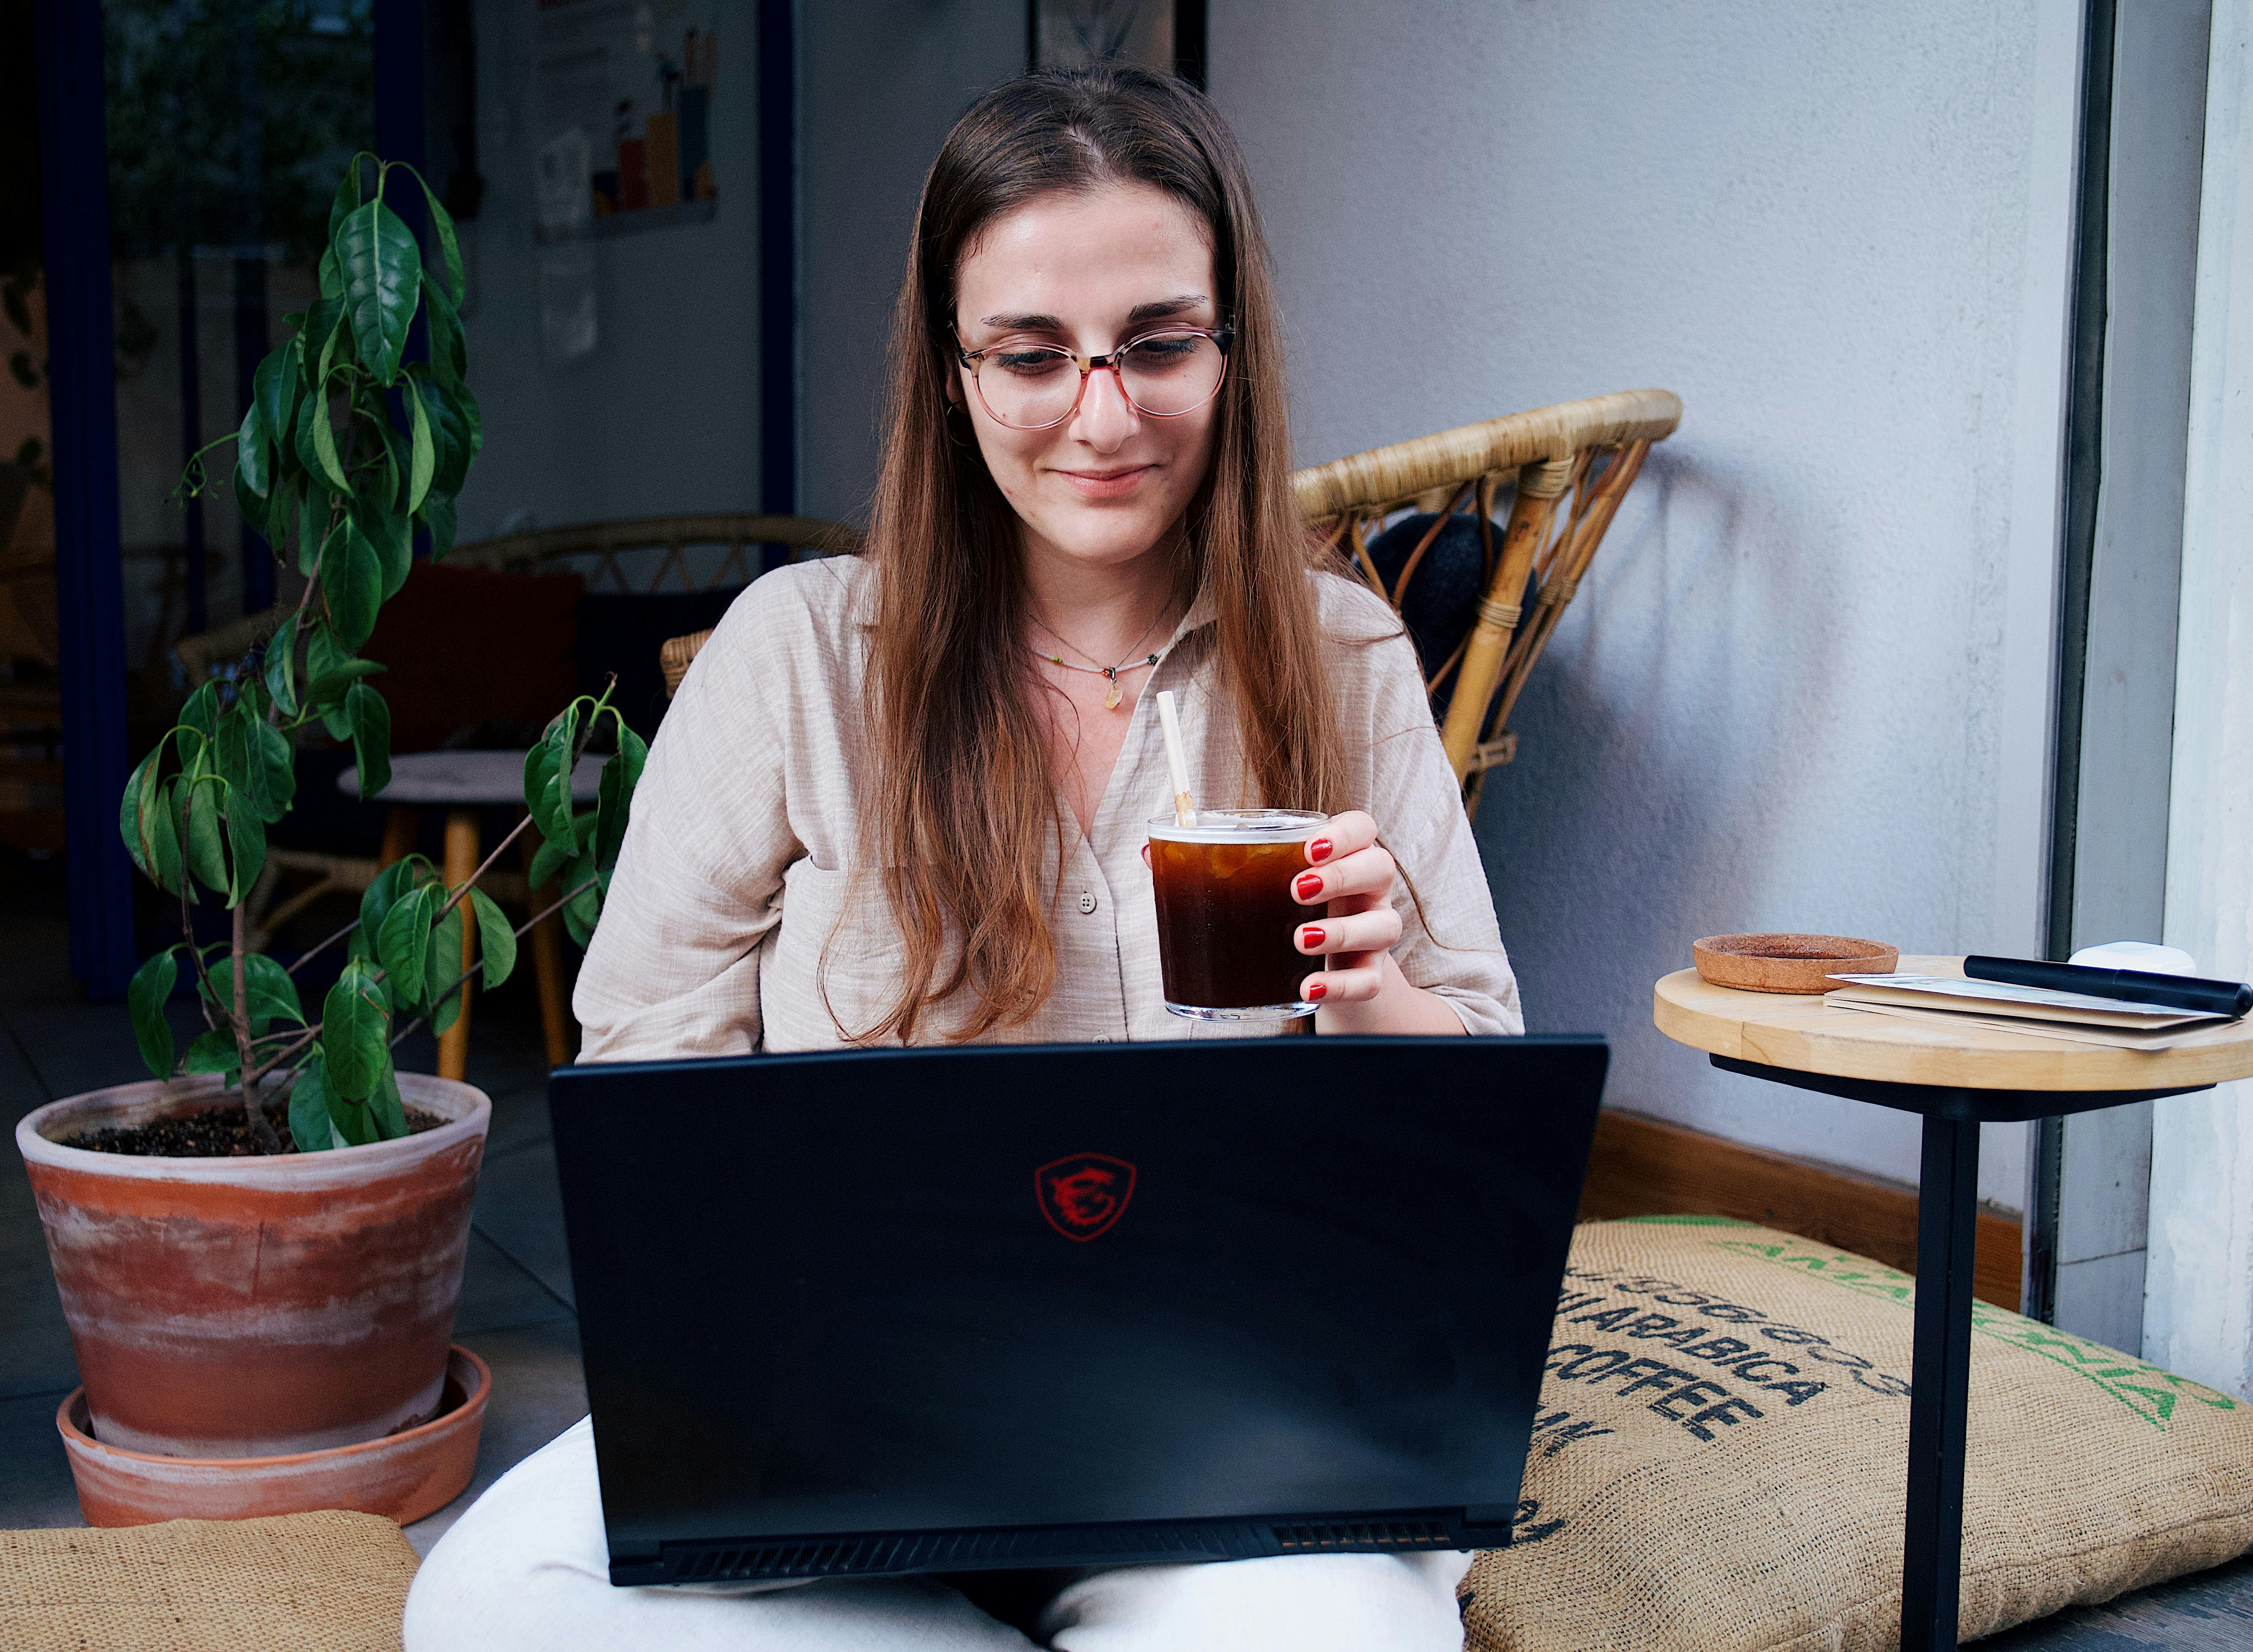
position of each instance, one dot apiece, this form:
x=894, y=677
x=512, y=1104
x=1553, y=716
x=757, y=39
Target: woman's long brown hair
x=964, y=804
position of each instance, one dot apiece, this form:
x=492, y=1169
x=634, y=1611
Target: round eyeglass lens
x=1163, y=374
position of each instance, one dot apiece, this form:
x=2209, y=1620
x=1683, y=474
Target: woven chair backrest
x=660, y=545
x=1586, y=452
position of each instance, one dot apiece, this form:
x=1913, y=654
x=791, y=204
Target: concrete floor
x=516, y=1299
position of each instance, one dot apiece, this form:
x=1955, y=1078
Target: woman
x=903, y=797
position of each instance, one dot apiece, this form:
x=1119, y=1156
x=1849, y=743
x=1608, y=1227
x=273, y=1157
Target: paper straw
x=1184, y=811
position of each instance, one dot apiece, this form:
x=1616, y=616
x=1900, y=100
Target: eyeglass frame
x=1223, y=337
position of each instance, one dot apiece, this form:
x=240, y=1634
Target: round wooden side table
x=1957, y=1079
x=465, y=784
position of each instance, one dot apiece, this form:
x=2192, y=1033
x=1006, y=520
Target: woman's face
x=1090, y=272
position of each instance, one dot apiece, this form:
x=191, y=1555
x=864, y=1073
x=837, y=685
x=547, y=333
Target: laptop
x=934, y=1310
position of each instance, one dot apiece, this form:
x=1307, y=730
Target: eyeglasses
x=1164, y=374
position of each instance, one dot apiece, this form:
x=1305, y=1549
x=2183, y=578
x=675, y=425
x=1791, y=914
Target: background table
x=465, y=784
x=1957, y=1079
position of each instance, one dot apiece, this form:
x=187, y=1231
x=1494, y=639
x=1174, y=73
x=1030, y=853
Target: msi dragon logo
x=1082, y=1195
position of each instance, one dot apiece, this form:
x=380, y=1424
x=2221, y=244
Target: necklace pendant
x=1110, y=695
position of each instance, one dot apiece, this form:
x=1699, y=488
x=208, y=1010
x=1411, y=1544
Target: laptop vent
x=1126, y=1545
x=1363, y=1535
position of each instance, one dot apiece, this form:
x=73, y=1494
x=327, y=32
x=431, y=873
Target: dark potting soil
x=209, y=1133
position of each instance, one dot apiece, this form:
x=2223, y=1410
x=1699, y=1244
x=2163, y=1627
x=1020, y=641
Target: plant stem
x=486, y=867
x=462, y=894
x=268, y=1141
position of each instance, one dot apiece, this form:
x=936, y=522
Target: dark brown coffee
x=1226, y=917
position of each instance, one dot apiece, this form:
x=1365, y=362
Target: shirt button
x=1086, y=901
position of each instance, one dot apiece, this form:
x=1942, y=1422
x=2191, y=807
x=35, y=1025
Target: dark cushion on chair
x=1440, y=605
x=623, y=632
x=471, y=645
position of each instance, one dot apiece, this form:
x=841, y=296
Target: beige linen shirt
x=744, y=915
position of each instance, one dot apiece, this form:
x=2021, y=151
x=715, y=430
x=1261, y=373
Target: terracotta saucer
x=405, y=1475
x=1789, y=963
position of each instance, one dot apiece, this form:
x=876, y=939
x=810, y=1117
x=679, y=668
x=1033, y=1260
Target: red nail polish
x=1311, y=936
x=1309, y=886
x=1319, y=850
x=1315, y=989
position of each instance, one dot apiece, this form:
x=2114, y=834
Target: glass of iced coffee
x=1225, y=914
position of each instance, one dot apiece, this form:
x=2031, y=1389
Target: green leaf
x=215, y=1052
x=389, y=887
x=423, y=458
x=253, y=468
x=349, y=1123
x=308, y=1110
x=200, y=712
x=382, y=269
x=352, y=581
x=280, y=671
x=268, y=993
x=324, y=462
x=402, y=943
x=355, y=1032
x=333, y=683
x=554, y=855
x=548, y=775
x=204, y=842
x=312, y=521
x=371, y=737
x=614, y=798
x=135, y=810
x=496, y=938
x=449, y=354
x=437, y=519
x=145, y=995
x=388, y=529
x=581, y=911
x=347, y=195
x=245, y=841
x=449, y=246
x=386, y=1111
x=275, y=782
x=282, y=508
x=274, y=392
x=449, y=432
x=441, y=971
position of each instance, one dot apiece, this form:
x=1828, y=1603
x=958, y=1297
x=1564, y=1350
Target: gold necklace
x=1112, y=694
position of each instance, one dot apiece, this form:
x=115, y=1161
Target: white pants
x=527, y=1567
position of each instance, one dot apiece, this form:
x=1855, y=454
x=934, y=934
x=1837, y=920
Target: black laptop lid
x=1013, y=1289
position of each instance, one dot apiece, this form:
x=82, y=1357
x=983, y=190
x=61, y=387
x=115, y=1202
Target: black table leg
x=1940, y=1373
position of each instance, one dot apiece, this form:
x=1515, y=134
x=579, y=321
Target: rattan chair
x=657, y=549
x=1590, y=450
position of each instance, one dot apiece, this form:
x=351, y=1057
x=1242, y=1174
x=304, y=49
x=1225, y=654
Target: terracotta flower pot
x=257, y=1307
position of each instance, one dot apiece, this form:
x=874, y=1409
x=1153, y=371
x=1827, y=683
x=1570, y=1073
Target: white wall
x=663, y=416
x=2199, y=1284
x=1807, y=684
x=879, y=83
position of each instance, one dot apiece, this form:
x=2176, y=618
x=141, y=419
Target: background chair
x=1590, y=450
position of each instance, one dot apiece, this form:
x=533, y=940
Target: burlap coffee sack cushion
x=1720, y=1458
x=327, y=1582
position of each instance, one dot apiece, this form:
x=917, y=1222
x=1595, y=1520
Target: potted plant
x=296, y=1293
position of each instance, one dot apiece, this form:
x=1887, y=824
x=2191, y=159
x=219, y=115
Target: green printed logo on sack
x=2143, y=1388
